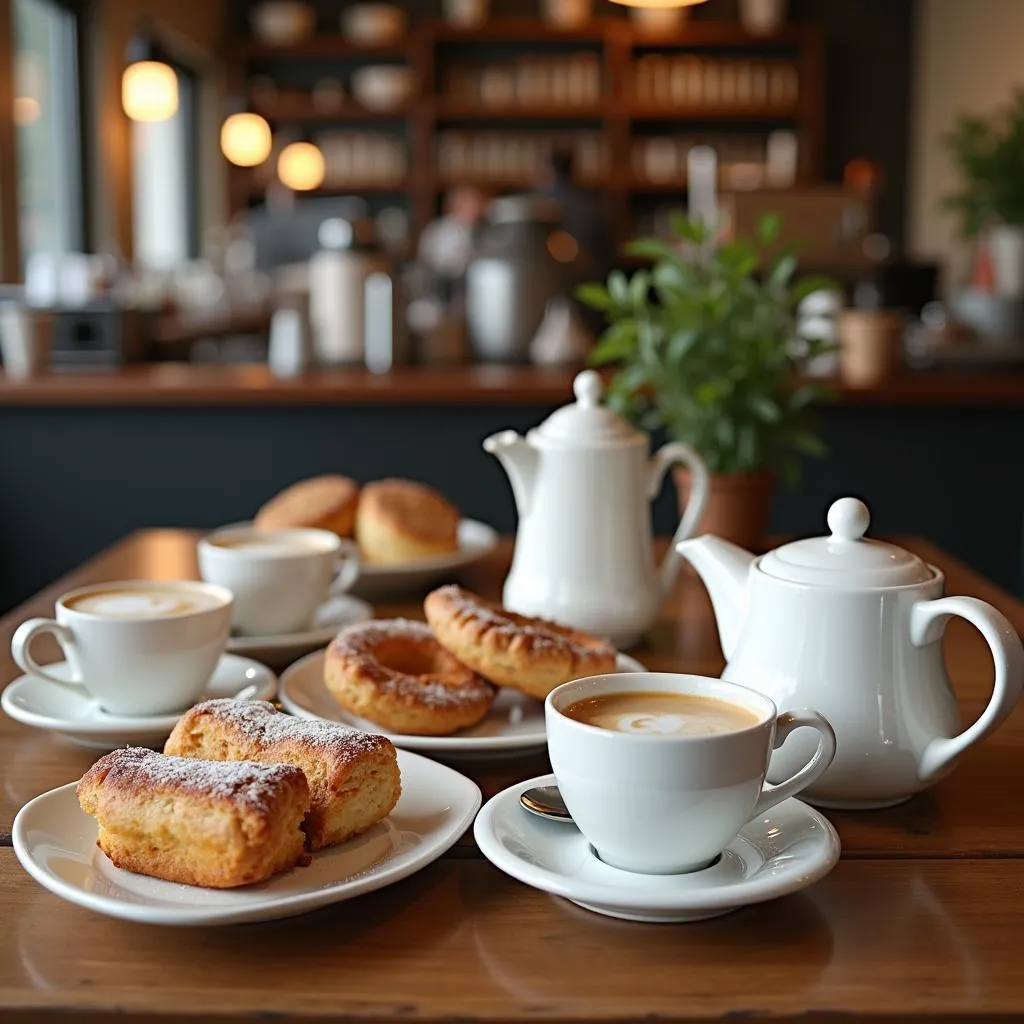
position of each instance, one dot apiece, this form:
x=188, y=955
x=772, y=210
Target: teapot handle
x=927, y=623
x=668, y=455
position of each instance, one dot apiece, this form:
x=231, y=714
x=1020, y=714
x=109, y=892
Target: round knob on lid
x=848, y=519
x=587, y=387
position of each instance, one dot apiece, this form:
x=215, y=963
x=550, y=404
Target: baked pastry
x=402, y=521
x=199, y=822
x=531, y=655
x=353, y=776
x=394, y=673
x=321, y=503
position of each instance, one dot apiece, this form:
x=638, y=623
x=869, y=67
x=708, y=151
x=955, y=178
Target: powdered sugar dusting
x=261, y=723
x=258, y=786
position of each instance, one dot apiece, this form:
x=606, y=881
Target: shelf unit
x=617, y=120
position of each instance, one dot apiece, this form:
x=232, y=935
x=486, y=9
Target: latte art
x=149, y=603
x=661, y=714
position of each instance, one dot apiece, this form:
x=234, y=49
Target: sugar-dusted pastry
x=205, y=823
x=401, y=521
x=531, y=655
x=322, y=503
x=394, y=673
x=353, y=776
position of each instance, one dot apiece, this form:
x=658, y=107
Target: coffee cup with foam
x=661, y=770
x=137, y=647
x=279, y=578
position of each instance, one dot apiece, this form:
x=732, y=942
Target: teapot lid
x=586, y=422
x=846, y=558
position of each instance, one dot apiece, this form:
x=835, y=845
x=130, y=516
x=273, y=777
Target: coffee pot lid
x=586, y=422
x=846, y=558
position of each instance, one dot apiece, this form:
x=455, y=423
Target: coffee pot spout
x=519, y=458
x=724, y=568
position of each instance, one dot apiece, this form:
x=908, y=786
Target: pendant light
x=245, y=138
x=149, y=85
x=300, y=166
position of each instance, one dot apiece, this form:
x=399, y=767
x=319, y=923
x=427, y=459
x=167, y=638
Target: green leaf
x=691, y=230
x=595, y=296
x=808, y=443
x=768, y=227
x=804, y=396
x=618, y=287
x=681, y=343
x=808, y=285
x=764, y=408
x=618, y=342
x=638, y=288
x=782, y=271
x=653, y=249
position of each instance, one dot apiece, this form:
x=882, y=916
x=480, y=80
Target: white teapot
x=853, y=628
x=583, y=483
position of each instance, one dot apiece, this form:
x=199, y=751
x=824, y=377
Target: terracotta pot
x=871, y=345
x=738, y=506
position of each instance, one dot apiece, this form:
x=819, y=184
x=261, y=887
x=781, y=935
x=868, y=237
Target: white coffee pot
x=853, y=628
x=583, y=482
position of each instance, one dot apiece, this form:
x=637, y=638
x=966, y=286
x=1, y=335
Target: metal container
x=354, y=299
x=525, y=258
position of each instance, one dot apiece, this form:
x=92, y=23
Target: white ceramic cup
x=279, y=577
x=134, y=666
x=671, y=804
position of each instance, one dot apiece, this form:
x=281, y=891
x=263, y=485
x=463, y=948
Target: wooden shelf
x=302, y=108
x=525, y=30
x=722, y=112
x=446, y=108
x=324, y=44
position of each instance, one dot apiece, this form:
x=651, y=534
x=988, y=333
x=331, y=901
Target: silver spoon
x=546, y=802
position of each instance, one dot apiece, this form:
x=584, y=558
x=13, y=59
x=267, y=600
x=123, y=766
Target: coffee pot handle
x=927, y=623
x=682, y=454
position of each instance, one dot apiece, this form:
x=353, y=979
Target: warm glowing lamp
x=245, y=139
x=149, y=85
x=301, y=166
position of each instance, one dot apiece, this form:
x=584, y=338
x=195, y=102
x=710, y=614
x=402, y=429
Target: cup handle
x=927, y=622
x=346, y=568
x=668, y=455
x=784, y=725
x=21, y=643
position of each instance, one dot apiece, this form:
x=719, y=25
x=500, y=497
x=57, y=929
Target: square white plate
x=55, y=840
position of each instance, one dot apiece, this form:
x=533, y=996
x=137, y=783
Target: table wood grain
x=921, y=920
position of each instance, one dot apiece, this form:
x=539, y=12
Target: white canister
x=1006, y=247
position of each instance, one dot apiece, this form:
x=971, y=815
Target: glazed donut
x=394, y=673
x=321, y=503
x=530, y=655
x=401, y=521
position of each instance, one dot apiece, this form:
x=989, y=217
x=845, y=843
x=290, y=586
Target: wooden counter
x=920, y=920
x=173, y=384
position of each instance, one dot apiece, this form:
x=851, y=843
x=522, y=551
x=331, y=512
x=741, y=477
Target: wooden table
x=922, y=919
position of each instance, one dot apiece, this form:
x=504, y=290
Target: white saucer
x=35, y=702
x=786, y=849
x=284, y=648
x=55, y=840
x=514, y=723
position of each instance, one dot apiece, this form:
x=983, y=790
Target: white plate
x=331, y=616
x=515, y=721
x=55, y=840
x=476, y=540
x=35, y=702
x=787, y=848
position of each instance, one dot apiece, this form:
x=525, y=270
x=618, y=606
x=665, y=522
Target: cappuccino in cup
x=140, y=647
x=278, y=577
x=660, y=770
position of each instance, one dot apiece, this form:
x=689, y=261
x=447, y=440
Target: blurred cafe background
x=242, y=243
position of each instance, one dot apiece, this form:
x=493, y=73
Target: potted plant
x=989, y=157
x=706, y=349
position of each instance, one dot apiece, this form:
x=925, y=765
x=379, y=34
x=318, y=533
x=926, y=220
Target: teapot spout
x=520, y=461
x=725, y=568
